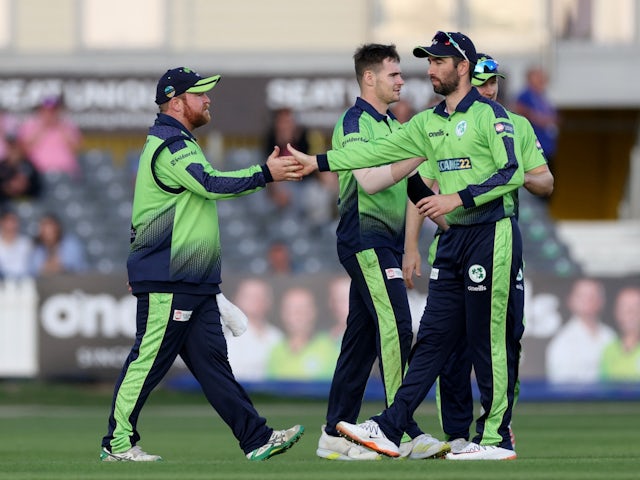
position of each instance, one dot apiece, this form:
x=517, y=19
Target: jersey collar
x=168, y=120
x=367, y=107
x=464, y=104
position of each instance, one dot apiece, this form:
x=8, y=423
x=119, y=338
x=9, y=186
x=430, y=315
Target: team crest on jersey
x=461, y=127
x=503, y=127
x=477, y=273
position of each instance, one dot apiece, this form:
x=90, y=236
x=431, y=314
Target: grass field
x=53, y=432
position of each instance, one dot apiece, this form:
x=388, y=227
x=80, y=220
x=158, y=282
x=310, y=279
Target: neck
x=453, y=99
x=380, y=106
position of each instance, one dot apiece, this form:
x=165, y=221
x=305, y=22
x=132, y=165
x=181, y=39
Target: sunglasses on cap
x=444, y=37
x=487, y=65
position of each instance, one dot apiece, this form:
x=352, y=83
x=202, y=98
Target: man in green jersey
x=174, y=271
x=621, y=358
x=454, y=394
x=476, y=286
x=370, y=240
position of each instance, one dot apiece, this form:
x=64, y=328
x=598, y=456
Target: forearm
x=401, y=169
x=373, y=180
x=399, y=145
x=413, y=225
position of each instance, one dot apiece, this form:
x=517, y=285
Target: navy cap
x=180, y=80
x=448, y=44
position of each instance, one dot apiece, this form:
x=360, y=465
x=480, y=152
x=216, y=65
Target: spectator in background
x=16, y=248
x=284, y=129
x=338, y=299
x=304, y=354
x=574, y=353
x=56, y=251
x=19, y=178
x=248, y=353
x=403, y=110
x=279, y=258
x=51, y=139
x=621, y=358
x=8, y=129
x=319, y=206
x=534, y=104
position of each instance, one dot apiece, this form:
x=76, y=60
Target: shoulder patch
x=503, y=127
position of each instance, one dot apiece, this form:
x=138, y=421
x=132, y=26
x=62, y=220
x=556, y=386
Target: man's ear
x=368, y=77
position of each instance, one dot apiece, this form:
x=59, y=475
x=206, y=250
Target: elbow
x=549, y=186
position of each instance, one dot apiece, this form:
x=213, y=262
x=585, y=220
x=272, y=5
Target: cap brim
x=481, y=78
x=204, y=85
x=434, y=51
x=420, y=52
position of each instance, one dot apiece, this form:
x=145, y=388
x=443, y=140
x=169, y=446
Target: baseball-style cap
x=182, y=79
x=448, y=44
x=485, y=69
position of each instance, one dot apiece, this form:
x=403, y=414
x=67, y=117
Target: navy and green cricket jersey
x=532, y=153
x=175, y=240
x=481, y=165
x=367, y=221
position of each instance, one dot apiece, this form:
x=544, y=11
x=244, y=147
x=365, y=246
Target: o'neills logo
x=439, y=133
x=477, y=288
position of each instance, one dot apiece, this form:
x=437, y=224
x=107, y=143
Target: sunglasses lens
x=486, y=66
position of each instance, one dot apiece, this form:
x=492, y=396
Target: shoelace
x=372, y=427
x=278, y=436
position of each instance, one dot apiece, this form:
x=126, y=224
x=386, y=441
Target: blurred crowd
x=290, y=228
x=44, y=144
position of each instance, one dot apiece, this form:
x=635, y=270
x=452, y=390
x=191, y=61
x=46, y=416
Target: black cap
x=448, y=44
x=182, y=79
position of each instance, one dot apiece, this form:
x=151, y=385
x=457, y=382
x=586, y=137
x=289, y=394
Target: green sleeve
x=189, y=168
x=406, y=142
x=532, y=153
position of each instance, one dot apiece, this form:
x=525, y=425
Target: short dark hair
x=371, y=55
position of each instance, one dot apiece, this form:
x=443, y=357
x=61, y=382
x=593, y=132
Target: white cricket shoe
x=424, y=446
x=473, y=451
x=339, y=448
x=458, y=445
x=279, y=442
x=134, y=454
x=370, y=435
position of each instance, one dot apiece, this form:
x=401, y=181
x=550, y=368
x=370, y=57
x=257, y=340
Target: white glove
x=231, y=316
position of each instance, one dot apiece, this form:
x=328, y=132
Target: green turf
x=54, y=433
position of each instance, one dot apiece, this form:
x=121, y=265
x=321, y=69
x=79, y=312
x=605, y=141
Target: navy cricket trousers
x=378, y=326
x=476, y=291
x=187, y=325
